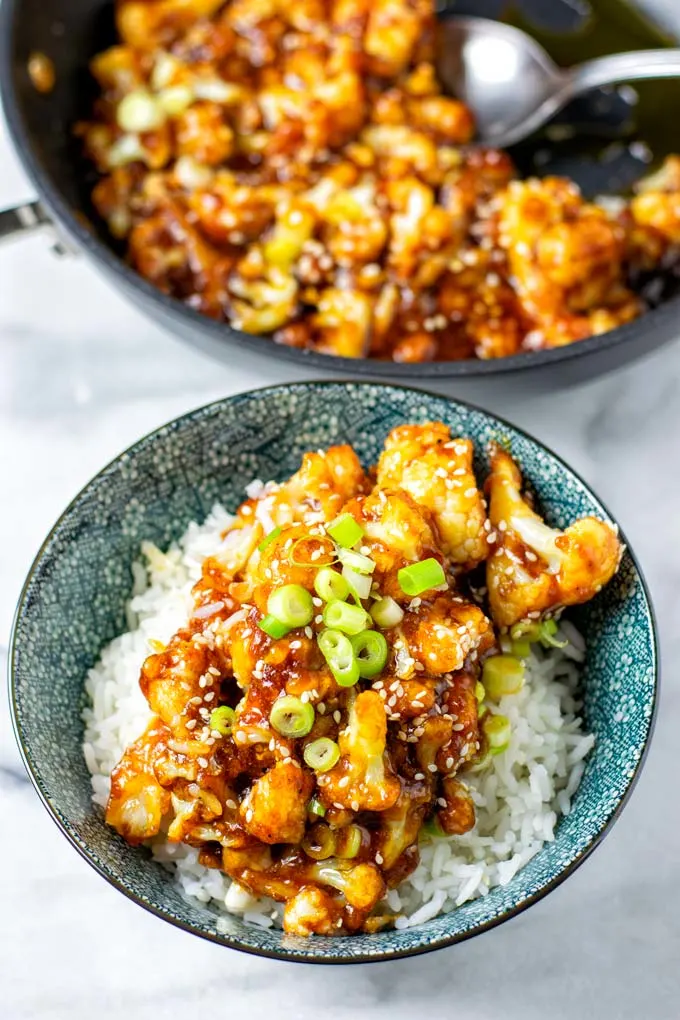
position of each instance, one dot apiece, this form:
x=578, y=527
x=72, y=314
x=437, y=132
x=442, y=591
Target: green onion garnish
x=222, y=719
x=520, y=649
x=319, y=842
x=479, y=692
x=432, y=828
x=291, y=717
x=420, y=577
x=303, y=556
x=387, y=612
x=548, y=630
x=356, y=561
x=533, y=632
x=345, y=617
x=348, y=842
x=292, y=605
x=321, y=754
x=498, y=731
x=337, y=650
x=345, y=531
x=274, y=627
x=359, y=584
x=370, y=650
x=502, y=675
x=315, y=808
x=268, y=539
x=329, y=585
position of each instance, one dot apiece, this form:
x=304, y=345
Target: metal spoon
x=512, y=85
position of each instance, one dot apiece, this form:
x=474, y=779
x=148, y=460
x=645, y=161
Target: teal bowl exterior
x=73, y=603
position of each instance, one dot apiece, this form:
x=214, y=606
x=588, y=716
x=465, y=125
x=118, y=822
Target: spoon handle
x=620, y=67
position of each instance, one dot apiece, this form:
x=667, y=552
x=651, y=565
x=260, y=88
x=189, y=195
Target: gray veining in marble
x=81, y=376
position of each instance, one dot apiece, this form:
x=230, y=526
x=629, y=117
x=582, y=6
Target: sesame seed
x=432, y=767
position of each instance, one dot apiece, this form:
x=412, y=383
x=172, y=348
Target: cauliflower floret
x=362, y=885
x=312, y=911
x=275, y=808
x=397, y=532
x=137, y=801
x=442, y=634
x=437, y=471
x=399, y=826
x=148, y=25
x=536, y=568
x=176, y=680
x=372, y=785
x=657, y=204
x=459, y=814
x=314, y=494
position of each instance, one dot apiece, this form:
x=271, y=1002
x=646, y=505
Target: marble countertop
x=81, y=376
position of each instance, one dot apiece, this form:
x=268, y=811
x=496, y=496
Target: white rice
x=518, y=799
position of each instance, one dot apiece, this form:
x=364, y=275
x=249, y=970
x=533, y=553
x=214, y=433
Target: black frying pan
x=70, y=32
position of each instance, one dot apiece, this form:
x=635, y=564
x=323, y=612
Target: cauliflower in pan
x=320, y=707
x=295, y=170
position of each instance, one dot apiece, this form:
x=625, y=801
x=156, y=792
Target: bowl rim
x=288, y=955
x=207, y=331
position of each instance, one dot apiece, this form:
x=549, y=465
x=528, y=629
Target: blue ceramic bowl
x=72, y=604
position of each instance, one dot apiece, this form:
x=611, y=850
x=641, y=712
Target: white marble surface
x=81, y=376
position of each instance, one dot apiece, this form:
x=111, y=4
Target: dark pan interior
x=600, y=157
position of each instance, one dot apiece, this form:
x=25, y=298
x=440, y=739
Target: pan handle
x=27, y=219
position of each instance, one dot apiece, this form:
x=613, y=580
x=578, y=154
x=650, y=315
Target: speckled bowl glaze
x=73, y=600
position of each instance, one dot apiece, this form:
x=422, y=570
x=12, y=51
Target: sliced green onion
x=420, y=577
x=268, y=539
x=387, y=612
x=315, y=808
x=370, y=649
x=480, y=693
x=432, y=828
x=502, y=675
x=548, y=630
x=310, y=559
x=319, y=842
x=222, y=719
x=348, y=842
x=337, y=650
x=359, y=584
x=479, y=764
x=525, y=629
x=321, y=754
x=356, y=561
x=345, y=617
x=498, y=731
x=291, y=717
x=292, y=605
x=274, y=627
x=329, y=585
x=520, y=649
x=345, y=531
x=533, y=632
